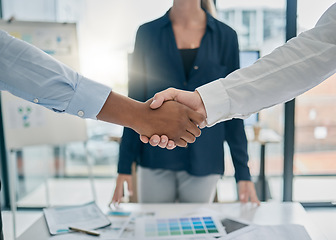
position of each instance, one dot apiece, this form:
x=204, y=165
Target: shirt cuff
x=243, y=174
x=124, y=169
x=216, y=101
x=88, y=99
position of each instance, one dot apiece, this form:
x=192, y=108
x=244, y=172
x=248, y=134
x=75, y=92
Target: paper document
x=178, y=227
x=128, y=231
x=107, y=233
x=87, y=216
x=277, y=232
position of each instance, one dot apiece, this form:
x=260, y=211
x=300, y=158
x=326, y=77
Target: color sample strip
x=180, y=226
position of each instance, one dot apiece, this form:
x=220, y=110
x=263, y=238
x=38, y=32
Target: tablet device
x=232, y=225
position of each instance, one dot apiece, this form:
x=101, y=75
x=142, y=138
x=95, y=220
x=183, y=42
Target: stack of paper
x=276, y=232
x=87, y=216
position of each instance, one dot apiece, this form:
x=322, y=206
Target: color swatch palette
x=169, y=227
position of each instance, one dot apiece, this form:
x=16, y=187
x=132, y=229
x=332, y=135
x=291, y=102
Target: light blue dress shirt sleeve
x=33, y=75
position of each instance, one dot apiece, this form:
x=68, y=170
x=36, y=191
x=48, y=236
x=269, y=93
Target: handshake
x=173, y=119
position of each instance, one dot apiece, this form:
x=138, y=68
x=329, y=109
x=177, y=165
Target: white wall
x=106, y=30
x=43, y=10
x=309, y=11
x=107, y=33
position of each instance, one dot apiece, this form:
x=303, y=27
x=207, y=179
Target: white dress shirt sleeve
x=33, y=75
x=290, y=70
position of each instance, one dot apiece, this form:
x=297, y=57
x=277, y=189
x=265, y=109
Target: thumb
x=161, y=97
x=158, y=100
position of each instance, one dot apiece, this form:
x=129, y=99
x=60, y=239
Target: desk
x=270, y=213
x=265, y=136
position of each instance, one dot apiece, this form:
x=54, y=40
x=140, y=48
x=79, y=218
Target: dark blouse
x=155, y=65
x=188, y=58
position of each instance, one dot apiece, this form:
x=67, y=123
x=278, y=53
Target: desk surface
x=270, y=213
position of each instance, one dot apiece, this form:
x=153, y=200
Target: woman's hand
x=119, y=189
x=247, y=192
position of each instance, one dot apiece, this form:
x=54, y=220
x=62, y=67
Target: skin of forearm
x=123, y=111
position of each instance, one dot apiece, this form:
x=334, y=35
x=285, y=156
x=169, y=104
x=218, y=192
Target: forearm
x=240, y=161
x=130, y=148
x=237, y=141
x=243, y=174
x=288, y=71
x=123, y=111
x=31, y=74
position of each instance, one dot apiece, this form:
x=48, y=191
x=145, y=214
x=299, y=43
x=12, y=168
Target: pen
x=90, y=232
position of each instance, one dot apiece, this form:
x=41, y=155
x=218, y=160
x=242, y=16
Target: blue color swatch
x=180, y=226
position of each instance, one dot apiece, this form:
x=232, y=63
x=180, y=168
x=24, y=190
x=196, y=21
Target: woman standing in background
x=185, y=48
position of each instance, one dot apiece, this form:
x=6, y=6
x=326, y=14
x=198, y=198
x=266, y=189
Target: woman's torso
x=216, y=57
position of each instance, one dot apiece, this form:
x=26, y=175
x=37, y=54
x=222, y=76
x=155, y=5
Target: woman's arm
x=236, y=139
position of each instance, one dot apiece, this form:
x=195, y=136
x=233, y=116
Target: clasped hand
x=191, y=100
x=172, y=120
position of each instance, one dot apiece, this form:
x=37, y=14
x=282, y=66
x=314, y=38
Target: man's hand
x=174, y=120
x=247, y=192
x=190, y=99
x=119, y=189
x=178, y=122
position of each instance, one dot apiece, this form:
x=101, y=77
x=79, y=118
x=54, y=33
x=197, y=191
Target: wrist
x=201, y=107
x=139, y=116
x=124, y=111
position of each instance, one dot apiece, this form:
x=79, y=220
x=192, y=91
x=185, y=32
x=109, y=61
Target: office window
x=260, y=26
x=315, y=127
